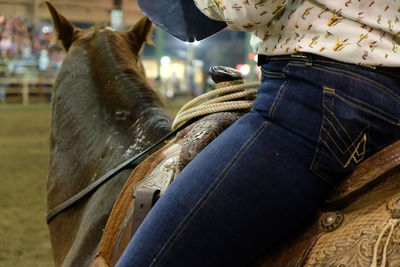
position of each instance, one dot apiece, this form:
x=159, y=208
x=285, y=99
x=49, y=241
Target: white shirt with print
x=365, y=32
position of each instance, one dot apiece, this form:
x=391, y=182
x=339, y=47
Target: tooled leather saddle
x=358, y=226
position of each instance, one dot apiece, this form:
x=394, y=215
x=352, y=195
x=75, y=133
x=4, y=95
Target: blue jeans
x=262, y=179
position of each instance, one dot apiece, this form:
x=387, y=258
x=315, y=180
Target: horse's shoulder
x=152, y=177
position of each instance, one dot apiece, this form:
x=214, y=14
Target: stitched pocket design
x=349, y=132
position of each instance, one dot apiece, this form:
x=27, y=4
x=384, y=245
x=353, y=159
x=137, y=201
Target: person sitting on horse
x=329, y=98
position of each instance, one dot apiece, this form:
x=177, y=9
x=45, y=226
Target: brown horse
x=103, y=112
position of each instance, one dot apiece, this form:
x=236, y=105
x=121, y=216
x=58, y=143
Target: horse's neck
x=91, y=133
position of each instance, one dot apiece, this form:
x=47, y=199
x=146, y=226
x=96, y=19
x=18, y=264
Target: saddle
x=356, y=227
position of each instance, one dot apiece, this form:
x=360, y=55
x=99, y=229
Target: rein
x=133, y=162
x=197, y=107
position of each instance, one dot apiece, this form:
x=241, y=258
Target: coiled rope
x=228, y=98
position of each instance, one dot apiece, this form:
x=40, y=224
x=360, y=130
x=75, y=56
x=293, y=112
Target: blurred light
x=195, y=43
x=198, y=63
x=117, y=19
x=46, y=29
x=256, y=58
x=252, y=56
x=243, y=68
x=165, y=60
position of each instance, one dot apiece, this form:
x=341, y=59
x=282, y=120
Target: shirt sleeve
x=242, y=15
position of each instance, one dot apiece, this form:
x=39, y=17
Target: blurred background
x=28, y=66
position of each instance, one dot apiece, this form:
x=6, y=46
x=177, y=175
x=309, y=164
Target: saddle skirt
x=358, y=227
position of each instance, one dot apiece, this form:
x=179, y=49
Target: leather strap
x=145, y=198
x=132, y=162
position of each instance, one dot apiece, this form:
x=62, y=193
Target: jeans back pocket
x=351, y=130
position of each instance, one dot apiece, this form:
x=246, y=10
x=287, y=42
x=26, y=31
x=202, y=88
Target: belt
x=307, y=57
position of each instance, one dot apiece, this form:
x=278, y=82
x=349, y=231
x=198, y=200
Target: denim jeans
x=313, y=121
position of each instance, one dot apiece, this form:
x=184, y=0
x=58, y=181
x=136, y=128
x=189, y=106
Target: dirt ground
x=24, y=153
x=24, y=138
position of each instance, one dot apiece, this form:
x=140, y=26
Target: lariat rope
x=226, y=99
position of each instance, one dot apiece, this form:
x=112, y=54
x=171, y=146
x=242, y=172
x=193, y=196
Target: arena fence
x=25, y=89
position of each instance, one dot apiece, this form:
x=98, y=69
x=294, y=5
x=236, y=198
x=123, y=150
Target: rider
x=329, y=98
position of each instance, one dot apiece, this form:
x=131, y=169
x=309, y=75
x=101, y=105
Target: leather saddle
x=358, y=226
x=352, y=229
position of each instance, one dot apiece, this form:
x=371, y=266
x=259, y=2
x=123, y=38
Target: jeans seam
x=296, y=64
x=344, y=165
x=349, y=146
x=272, y=74
x=335, y=143
x=277, y=101
x=336, y=63
x=320, y=147
x=360, y=78
x=336, y=119
x=322, y=176
x=315, y=164
x=200, y=203
x=278, y=97
x=397, y=123
x=336, y=131
x=300, y=61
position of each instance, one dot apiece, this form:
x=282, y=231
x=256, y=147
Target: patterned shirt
x=365, y=32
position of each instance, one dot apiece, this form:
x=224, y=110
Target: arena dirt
x=24, y=135
x=24, y=153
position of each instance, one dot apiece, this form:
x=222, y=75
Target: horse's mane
x=128, y=74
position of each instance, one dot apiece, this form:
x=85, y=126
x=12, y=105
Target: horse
x=103, y=112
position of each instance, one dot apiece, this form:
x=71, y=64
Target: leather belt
x=263, y=59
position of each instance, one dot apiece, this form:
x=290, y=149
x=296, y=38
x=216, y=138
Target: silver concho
x=331, y=220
